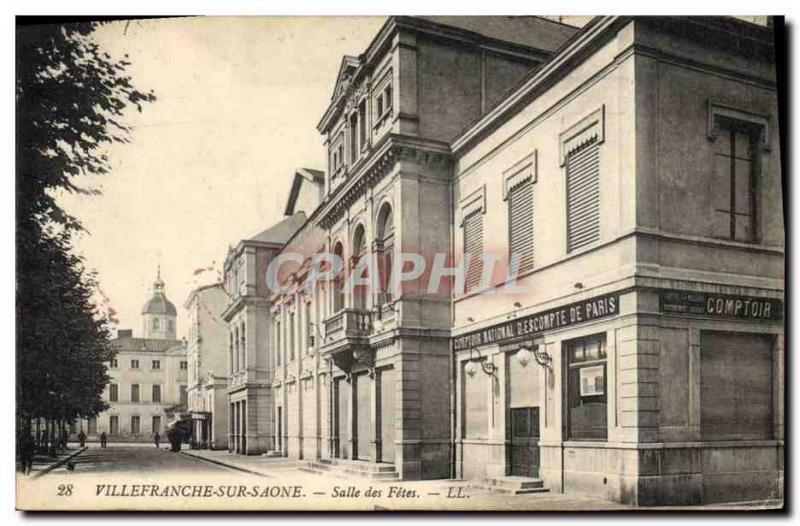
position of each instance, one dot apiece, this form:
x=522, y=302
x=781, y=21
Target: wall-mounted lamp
x=487, y=367
x=541, y=357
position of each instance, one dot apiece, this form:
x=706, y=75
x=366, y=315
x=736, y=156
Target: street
x=122, y=459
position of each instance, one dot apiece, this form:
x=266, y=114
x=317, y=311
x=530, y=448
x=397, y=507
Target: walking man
x=157, y=440
x=82, y=438
x=103, y=440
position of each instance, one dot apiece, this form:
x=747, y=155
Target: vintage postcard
x=495, y=263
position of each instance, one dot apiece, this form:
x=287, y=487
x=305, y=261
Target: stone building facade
x=207, y=355
x=644, y=161
x=623, y=337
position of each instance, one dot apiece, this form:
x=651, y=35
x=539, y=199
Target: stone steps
x=513, y=485
x=352, y=468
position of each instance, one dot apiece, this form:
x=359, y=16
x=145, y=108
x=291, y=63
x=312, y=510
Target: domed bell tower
x=159, y=317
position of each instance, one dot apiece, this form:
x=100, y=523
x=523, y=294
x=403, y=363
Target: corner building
x=636, y=176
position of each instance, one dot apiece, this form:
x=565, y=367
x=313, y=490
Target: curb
x=226, y=465
x=57, y=463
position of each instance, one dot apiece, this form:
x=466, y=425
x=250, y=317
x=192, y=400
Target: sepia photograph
x=495, y=263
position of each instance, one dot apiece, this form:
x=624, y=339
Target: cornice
x=391, y=149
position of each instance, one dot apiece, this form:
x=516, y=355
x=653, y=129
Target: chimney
x=125, y=333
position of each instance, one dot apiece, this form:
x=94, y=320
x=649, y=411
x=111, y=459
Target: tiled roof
x=143, y=344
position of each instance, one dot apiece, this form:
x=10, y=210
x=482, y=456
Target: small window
x=156, y=393
x=135, y=393
x=184, y=365
x=387, y=95
x=134, y=364
x=156, y=323
x=156, y=364
x=156, y=424
x=113, y=393
x=583, y=195
x=170, y=325
x=184, y=395
x=278, y=343
x=114, y=363
x=113, y=423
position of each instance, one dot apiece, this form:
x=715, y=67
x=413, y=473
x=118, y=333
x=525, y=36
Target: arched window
x=338, y=282
x=359, y=251
x=385, y=247
x=170, y=325
x=156, y=324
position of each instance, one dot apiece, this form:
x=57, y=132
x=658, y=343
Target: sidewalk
x=273, y=467
x=43, y=464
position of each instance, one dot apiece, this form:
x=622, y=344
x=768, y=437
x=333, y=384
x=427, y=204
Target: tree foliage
x=72, y=99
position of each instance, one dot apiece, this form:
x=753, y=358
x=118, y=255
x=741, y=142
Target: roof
x=159, y=304
x=143, y=344
x=530, y=31
x=281, y=232
x=316, y=177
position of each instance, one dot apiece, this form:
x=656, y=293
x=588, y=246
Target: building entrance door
x=524, y=447
x=342, y=436
x=363, y=416
x=387, y=401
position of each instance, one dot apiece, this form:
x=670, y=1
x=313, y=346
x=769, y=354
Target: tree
x=71, y=103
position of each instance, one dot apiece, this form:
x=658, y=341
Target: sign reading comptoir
x=579, y=312
x=720, y=305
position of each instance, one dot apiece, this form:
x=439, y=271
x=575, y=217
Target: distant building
x=207, y=354
x=148, y=377
x=251, y=428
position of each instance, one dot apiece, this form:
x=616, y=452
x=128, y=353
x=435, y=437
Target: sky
x=211, y=161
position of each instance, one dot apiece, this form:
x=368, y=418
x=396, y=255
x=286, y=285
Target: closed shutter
x=583, y=196
x=520, y=225
x=473, y=246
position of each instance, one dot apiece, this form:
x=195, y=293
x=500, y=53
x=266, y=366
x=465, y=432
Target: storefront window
x=587, y=399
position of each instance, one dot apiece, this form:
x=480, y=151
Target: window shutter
x=473, y=245
x=583, y=196
x=520, y=225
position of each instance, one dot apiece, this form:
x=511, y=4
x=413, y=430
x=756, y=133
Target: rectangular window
x=387, y=95
x=353, y=136
x=520, y=225
x=113, y=393
x=156, y=393
x=734, y=181
x=156, y=364
x=184, y=365
x=473, y=249
x=135, y=425
x=184, y=395
x=587, y=400
x=736, y=386
x=134, y=364
x=278, y=343
x=362, y=125
x=135, y=393
x=309, y=330
x=583, y=195
x=156, y=425
x=291, y=336
x=114, y=363
x=113, y=423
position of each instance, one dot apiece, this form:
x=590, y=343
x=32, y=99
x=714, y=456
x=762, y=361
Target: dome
x=159, y=304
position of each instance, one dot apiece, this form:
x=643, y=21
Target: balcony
x=347, y=324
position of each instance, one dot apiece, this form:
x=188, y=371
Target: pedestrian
x=103, y=440
x=82, y=439
x=157, y=440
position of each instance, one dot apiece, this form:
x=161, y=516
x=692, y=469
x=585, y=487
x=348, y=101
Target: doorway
x=524, y=441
